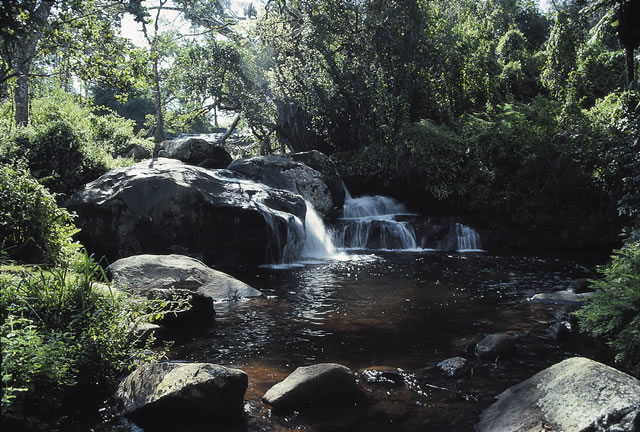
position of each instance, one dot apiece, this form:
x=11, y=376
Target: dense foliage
x=66, y=144
x=614, y=312
x=61, y=331
x=32, y=226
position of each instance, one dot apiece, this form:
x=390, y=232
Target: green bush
x=62, y=330
x=613, y=314
x=431, y=154
x=66, y=145
x=32, y=226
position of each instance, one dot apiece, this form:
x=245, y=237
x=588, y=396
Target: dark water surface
x=388, y=311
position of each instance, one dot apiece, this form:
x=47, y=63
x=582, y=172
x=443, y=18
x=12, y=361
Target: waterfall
x=318, y=243
x=369, y=222
x=468, y=238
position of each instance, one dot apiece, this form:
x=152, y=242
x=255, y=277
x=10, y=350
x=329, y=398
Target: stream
x=392, y=311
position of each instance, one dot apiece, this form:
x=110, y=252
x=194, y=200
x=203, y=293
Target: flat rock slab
x=183, y=390
x=141, y=274
x=576, y=394
x=312, y=384
x=561, y=297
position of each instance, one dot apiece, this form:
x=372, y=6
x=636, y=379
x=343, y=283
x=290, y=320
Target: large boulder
x=325, y=166
x=312, y=384
x=183, y=392
x=164, y=206
x=576, y=394
x=285, y=173
x=195, y=151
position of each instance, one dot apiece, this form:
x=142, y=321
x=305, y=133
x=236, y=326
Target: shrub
x=613, y=314
x=32, y=226
x=60, y=331
x=66, y=145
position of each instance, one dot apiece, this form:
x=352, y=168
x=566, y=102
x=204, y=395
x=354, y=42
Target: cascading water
x=468, y=239
x=318, y=242
x=369, y=222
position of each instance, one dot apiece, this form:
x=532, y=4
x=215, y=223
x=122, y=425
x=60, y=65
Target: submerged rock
x=285, y=173
x=576, y=394
x=177, y=392
x=195, y=151
x=163, y=206
x=495, y=345
x=312, y=384
x=454, y=366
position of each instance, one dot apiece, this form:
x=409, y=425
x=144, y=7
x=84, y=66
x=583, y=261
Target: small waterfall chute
x=468, y=239
x=318, y=242
x=370, y=222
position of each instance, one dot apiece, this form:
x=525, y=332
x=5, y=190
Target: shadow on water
x=398, y=312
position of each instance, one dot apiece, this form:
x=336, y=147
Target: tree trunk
x=631, y=75
x=158, y=134
x=21, y=95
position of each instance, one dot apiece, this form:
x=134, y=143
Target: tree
x=32, y=29
x=624, y=16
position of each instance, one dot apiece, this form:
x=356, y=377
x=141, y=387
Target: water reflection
x=405, y=311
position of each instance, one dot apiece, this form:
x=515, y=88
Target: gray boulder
x=453, y=367
x=164, y=206
x=576, y=394
x=325, y=166
x=179, y=391
x=285, y=173
x=140, y=274
x=495, y=345
x=195, y=151
x=312, y=384
x=137, y=152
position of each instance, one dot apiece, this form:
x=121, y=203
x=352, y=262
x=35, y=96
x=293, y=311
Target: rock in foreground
x=312, y=384
x=576, y=394
x=182, y=392
x=163, y=206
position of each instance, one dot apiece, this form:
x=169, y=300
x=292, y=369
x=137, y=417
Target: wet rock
x=285, y=173
x=576, y=394
x=561, y=330
x=384, y=376
x=195, y=151
x=454, y=366
x=470, y=347
x=178, y=392
x=312, y=385
x=140, y=274
x=325, y=166
x=561, y=298
x=163, y=206
x=495, y=345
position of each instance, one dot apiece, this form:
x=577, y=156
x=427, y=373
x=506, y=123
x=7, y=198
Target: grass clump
x=63, y=330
